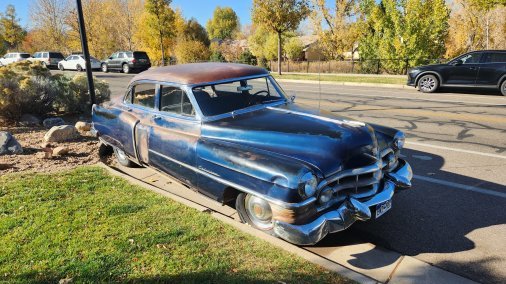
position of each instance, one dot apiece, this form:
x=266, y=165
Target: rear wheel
x=254, y=211
x=503, y=88
x=428, y=84
x=125, y=68
x=79, y=68
x=61, y=67
x=122, y=158
x=104, y=68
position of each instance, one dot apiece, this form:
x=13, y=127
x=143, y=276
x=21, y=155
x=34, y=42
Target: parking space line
x=456, y=150
x=461, y=186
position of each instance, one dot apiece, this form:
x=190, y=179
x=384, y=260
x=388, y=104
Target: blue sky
x=202, y=10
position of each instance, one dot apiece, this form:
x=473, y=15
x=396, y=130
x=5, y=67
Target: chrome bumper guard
x=347, y=213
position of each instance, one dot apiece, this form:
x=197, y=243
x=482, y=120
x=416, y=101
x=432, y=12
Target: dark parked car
x=127, y=61
x=229, y=132
x=479, y=69
x=49, y=59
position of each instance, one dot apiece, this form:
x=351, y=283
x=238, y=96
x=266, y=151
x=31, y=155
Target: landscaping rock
x=29, y=120
x=44, y=154
x=60, y=151
x=9, y=145
x=45, y=145
x=53, y=121
x=83, y=126
x=61, y=133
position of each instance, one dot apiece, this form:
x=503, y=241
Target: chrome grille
x=357, y=185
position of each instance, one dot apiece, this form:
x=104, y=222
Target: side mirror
x=292, y=98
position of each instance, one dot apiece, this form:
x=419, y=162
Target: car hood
x=320, y=139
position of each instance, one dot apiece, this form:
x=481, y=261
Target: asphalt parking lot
x=454, y=217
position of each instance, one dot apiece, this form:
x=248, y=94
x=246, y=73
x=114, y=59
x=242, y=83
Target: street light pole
x=84, y=43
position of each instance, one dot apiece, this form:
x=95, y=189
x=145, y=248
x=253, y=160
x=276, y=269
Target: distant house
x=313, y=52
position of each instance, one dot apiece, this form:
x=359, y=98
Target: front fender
x=267, y=174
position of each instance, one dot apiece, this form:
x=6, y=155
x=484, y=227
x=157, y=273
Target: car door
x=464, y=70
x=173, y=134
x=113, y=62
x=67, y=62
x=492, y=69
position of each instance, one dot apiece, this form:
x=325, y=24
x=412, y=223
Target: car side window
x=121, y=55
x=471, y=58
x=144, y=95
x=115, y=55
x=45, y=55
x=496, y=57
x=175, y=100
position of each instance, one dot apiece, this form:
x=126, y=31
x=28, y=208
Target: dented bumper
x=347, y=212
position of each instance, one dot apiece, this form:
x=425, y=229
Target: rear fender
x=115, y=127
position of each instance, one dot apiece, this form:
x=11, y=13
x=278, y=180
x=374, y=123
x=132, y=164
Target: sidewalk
x=361, y=262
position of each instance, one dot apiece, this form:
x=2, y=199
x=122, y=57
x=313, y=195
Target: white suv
x=13, y=57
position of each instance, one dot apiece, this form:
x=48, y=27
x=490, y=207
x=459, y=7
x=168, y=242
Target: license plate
x=382, y=208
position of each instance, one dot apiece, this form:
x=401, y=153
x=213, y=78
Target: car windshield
x=228, y=97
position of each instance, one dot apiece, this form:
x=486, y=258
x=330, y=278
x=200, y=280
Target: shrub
x=188, y=51
x=28, y=87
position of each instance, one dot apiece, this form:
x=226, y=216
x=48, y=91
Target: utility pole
x=84, y=43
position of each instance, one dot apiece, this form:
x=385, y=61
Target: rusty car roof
x=199, y=73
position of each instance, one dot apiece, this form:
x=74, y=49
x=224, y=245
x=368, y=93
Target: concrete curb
x=340, y=259
x=356, y=84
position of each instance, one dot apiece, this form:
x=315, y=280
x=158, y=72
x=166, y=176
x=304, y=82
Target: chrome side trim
x=237, y=186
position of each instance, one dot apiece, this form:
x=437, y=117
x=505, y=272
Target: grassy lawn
x=89, y=226
x=344, y=78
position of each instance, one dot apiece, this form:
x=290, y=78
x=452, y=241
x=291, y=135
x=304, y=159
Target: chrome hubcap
x=121, y=154
x=125, y=68
x=259, y=212
x=427, y=84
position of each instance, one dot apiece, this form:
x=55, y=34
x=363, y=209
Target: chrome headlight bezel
x=399, y=141
x=308, y=184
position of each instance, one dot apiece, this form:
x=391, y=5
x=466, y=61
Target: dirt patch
x=82, y=151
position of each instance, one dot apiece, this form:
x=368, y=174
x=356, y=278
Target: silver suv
x=49, y=59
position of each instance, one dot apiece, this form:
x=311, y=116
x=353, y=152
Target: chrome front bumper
x=347, y=213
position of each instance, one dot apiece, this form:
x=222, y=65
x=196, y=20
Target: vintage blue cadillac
x=229, y=132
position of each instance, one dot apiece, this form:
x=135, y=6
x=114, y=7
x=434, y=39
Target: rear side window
x=175, y=100
x=55, y=55
x=144, y=95
x=496, y=57
x=140, y=55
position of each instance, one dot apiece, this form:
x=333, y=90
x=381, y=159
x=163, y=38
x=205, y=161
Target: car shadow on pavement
x=470, y=91
x=432, y=218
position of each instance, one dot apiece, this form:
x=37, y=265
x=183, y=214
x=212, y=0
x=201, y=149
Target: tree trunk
x=279, y=53
x=161, y=48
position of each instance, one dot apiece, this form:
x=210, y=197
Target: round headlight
x=325, y=196
x=308, y=184
x=399, y=140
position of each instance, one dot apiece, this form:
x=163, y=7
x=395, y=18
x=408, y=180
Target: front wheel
x=428, y=84
x=61, y=67
x=104, y=68
x=122, y=158
x=255, y=211
x=503, y=88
